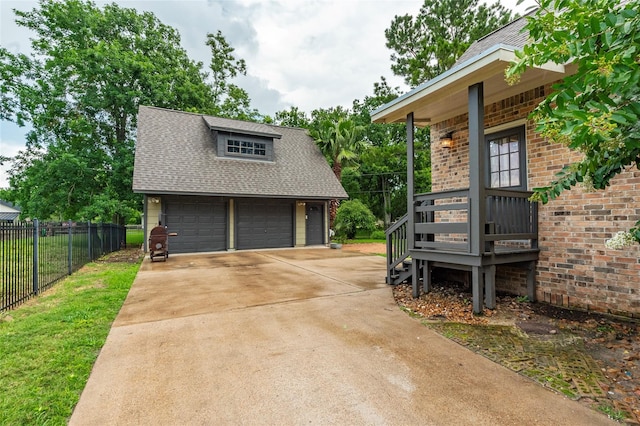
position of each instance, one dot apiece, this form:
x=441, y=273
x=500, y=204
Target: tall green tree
x=229, y=99
x=341, y=142
x=80, y=90
x=382, y=174
x=293, y=117
x=596, y=110
x=429, y=43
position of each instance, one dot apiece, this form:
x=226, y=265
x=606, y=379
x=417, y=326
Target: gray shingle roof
x=10, y=216
x=244, y=127
x=176, y=154
x=511, y=34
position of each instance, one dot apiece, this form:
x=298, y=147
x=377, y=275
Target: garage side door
x=201, y=224
x=264, y=223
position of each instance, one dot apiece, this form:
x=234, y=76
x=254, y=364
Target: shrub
x=378, y=235
x=353, y=215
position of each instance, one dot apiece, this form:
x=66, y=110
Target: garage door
x=264, y=223
x=200, y=222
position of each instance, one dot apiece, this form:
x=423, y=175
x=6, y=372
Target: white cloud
x=305, y=53
x=11, y=141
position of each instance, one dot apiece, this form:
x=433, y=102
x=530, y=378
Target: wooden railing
x=397, y=249
x=511, y=216
x=442, y=223
x=442, y=220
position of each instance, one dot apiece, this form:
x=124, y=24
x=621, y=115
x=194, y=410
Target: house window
x=506, y=153
x=249, y=148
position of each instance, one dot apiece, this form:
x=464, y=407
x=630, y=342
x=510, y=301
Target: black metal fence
x=34, y=255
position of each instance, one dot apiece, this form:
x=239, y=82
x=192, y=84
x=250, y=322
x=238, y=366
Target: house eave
x=152, y=192
x=445, y=96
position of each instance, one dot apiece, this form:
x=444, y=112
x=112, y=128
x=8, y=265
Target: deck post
x=490, y=286
x=477, y=192
x=415, y=278
x=477, y=288
x=477, y=168
x=531, y=281
x=411, y=217
x=426, y=276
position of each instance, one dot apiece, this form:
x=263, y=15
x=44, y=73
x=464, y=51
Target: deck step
x=402, y=274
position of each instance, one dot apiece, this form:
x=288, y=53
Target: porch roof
x=445, y=96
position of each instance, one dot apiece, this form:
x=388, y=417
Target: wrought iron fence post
x=89, y=240
x=70, y=248
x=36, y=236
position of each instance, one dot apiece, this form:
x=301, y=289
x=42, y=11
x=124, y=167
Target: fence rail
x=34, y=255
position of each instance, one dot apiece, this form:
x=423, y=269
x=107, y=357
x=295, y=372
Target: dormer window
x=241, y=140
x=249, y=148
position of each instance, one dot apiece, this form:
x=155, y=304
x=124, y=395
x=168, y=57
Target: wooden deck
x=443, y=237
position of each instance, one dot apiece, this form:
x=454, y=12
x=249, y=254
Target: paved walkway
x=301, y=336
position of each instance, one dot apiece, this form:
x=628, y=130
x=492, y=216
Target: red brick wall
x=575, y=267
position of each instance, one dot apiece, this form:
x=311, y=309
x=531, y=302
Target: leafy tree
x=341, y=143
x=229, y=99
x=352, y=216
x=80, y=90
x=596, y=110
x=382, y=176
x=292, y=117
x=430, y=43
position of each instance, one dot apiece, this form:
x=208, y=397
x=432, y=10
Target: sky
x=305, y=53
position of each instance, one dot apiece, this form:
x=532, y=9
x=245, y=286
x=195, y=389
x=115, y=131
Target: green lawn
x=49, y=345
x=135, y=237
x=365, y=240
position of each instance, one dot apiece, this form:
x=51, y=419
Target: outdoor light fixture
x=447, y=140
x=154, y=200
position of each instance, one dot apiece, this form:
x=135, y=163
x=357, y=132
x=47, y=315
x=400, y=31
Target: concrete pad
x=193, y=285
x=320, y=347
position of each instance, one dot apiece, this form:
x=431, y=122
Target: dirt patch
x=586, y=356
x=368, y=248
x=128, y=255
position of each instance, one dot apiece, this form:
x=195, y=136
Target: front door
x=315, y=224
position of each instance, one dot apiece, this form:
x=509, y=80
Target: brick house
x=486, y=156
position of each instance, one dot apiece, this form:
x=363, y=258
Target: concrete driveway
x=288, y=337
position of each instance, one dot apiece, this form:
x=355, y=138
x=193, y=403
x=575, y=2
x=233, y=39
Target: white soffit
x=445, y=96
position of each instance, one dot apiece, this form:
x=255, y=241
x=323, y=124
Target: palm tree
x=341, y=143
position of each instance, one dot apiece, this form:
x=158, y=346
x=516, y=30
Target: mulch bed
x=613, y=343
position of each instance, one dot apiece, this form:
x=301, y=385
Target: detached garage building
x=224, y=184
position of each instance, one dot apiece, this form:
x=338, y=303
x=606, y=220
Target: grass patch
x=49, y=345
x=612, y=413
x=135, y=237
x=365, y=240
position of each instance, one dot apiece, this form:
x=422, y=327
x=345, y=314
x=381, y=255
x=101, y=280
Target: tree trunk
x=333, y=204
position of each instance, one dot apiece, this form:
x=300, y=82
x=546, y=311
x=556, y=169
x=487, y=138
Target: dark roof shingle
x=176, y=154
x=512, y=34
